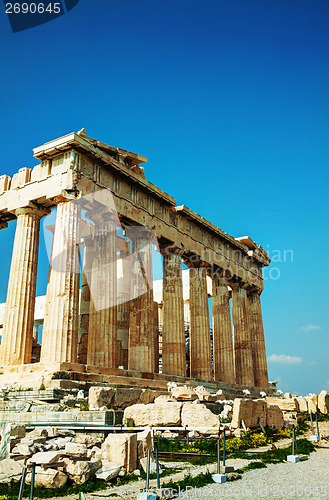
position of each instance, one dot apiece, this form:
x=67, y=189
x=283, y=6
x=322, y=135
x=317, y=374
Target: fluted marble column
x=102, y=333
x=141, y=321
x=200, y=345
x=61, y=323
x=244, y=370
x=222, y=332
x=156, y=338
x=173, y=331
x=257, y=339
x=17, y=336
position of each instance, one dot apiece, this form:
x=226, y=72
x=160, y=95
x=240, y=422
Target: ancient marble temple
x=100, y=312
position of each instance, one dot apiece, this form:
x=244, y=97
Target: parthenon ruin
x=100, y=313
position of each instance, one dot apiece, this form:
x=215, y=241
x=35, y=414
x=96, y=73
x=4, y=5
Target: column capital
x=101, y=215
x=170, y=249
x=32, y=209
x=139, y=232
x=254, y=291
x=238, y=285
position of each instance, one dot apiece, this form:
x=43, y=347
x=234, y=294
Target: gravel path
x=309, y=479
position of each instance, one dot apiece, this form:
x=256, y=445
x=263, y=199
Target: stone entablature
x=75, y=167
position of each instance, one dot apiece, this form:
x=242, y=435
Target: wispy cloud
x=309, y=328
x=284, y=359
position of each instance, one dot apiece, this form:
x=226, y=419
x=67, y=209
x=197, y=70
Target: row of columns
x=242, y=361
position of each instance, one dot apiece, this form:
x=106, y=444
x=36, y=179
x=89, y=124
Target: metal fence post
x=22, y=485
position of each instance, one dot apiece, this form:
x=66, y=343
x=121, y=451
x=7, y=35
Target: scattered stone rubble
x=60, y=454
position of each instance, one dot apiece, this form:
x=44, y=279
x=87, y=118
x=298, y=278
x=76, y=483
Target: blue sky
x=229, y=100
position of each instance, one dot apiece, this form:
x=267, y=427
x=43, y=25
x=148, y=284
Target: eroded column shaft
x=258, y=340
x=17, y=336
x=222, y=332
x=173, y=331
x=200, y=345
x=102, y=333
x=61, y=323
x=141, y=320
x=244, y=370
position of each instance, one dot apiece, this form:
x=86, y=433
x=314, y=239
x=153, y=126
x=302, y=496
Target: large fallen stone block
x=23, y=449
x=312, y=401
x=17, y=431
x=108, y=474
x=323, y=402
x=76, y=450
x=302, y=403
x=251, y=411
x=87, y=439
x=121, y=450
x=148, y=396
x=50, y=478
x=44, y=458
x=197, y=415
x=184, y=394
x=144, y=443
x=165, y=398
x=274, y=416
x=126, y=396
x=10, y=470
x=100, y=396
x=156, y=415
x=81, y=471
x=205, y=395
x=285, y=404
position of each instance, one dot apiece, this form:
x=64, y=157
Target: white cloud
x=284, y=359
x=309, y=328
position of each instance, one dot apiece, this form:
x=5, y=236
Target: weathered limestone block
x=17, y=431
x=323, y=402
x=302, y=403
x=51, y=478
x=144, y=443
x=252, y=412
x=108, y=474
x=284, y=404
x=148, y=396
x=184, y=394
x=126, y=396
x=164, y=399
x=204, y=395
x=100, y=396
x=287, y=395
x=274, y=416
x=197, y=415
x=312, y=400
x=121, y=449
x=76, y=450
x=44, y=457
x=160, y=414
x=23, y=449
x=5, y=182
x=10, y=470
x=88, y=439
x=81, y=471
